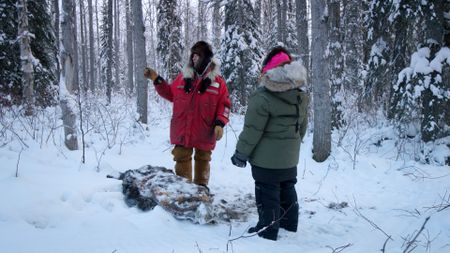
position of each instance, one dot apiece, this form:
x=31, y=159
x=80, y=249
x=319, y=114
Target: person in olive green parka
x=275, y=124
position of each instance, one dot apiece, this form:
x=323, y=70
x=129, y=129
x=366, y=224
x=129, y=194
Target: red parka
x=195, y=114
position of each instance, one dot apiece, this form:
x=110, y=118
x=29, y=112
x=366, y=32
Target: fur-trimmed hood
x=287, y=77
x=214, y=70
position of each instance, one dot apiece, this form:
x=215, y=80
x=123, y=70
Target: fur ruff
x=188, y=70
x=287, y=77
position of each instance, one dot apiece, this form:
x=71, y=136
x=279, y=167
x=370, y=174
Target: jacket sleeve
x=224, y=105
x=164, y=89
x=256, y=118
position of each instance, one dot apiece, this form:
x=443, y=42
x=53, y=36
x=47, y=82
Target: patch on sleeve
x=226, y=112
x=215, y=85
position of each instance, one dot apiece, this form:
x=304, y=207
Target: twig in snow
x=389, y=237
x=445, y=203
x=262, y=229
x=198, y=247
x=411, y=243
x=340, y=248
x=18, y=161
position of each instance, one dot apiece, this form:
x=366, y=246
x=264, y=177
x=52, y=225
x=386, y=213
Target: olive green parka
x=276, y=118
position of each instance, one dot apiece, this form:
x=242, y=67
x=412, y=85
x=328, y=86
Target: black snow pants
x=276, y=201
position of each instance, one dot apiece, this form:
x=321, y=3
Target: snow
x=58, y=204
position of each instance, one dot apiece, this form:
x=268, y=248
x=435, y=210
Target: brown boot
x=183, y=158
x=201, y=167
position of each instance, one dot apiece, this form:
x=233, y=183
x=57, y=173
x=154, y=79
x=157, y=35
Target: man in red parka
x=201, y=107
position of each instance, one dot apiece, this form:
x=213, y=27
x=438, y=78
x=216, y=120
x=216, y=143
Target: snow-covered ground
x=58, y=204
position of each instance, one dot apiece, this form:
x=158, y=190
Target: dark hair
x=274, y=51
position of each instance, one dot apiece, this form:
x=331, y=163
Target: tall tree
x=336, y=62
x=26, y=57
x=320, y=82
x=140, y=59
x=169, y=38
x=107, y=46
x=302, y=32
x=43, y=48
x=269, y=25
x=116, y=47
x=241, y=50
x=84, y=63
x=216, y=25
x=202, y=28
x=129, y=47
x=67, y=82
x=92, y=68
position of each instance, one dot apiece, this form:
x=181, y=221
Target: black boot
x=267, y=196
x=289, y=205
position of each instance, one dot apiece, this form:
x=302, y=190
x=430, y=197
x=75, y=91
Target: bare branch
x=411, y=243
x=340, y=248
x=262, y=229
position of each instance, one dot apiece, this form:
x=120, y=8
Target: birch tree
x=67, y=85
x=320, y=82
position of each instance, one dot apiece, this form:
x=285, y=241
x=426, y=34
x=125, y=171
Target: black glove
x=239, y=160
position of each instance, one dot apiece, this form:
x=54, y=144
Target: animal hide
x=149, y=186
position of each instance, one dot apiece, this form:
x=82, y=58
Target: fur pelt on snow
x=149, y=186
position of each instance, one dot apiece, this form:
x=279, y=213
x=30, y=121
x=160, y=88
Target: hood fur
x=288, y=77
x=214, y=66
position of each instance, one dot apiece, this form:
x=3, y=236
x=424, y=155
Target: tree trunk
x=216, y=26
x=98, y=43
x=320, y=82
x=140, y=58
x=302, y=33
x=83, y=48
x=67, y=85
x=55, y=11
x=76, y=77
x=109, y=51
x=92, y=68
x=202, y=15
x=129, y=47
x=336, y=62
x=26, y=57
x=116, y=45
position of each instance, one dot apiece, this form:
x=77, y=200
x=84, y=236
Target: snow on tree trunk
x=67, y=85
x=140, y=59
x=129, y=47
x=336, y=75
x=320, y=82
x=169, y=38
x=241, y=50
x=26, y=57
